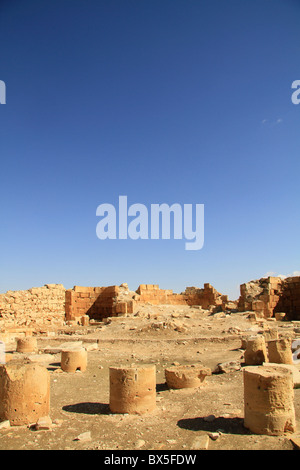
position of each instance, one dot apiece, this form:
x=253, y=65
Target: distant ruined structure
x=268, y=296
x=53, y=305
x=101, y=302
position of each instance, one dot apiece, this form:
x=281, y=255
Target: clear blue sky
x=185, y=101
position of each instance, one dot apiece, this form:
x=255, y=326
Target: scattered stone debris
x=139, y=444
x=5, y=424
x=214, y=435
x=227, y=367
x=163, y=325
x=43, y=424
x=200, y=443
x=84, y=437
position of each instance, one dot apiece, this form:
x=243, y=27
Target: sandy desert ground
x=209, y=417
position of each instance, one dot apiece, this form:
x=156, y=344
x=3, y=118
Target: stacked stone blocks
x=96, y=302
x=267, y=296
x=36, y=306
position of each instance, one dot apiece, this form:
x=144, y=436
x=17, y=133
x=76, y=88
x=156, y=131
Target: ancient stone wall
x=206, y=298
x=52, y=304
x=261, y=295
x=154, y=295
x=266, y=296
x=37, y=306
x=289, y=301
x=101, y=302
x=96, y=302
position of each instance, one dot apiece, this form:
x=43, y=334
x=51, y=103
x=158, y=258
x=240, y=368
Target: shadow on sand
x=226, y=425
x=88, y=408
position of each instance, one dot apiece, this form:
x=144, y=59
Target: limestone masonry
x=53, y=305
x=39, y=305
x=268, y=296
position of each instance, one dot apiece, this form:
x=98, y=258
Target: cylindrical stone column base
x=24, y=392
x=132, y=389
x=27, y=344
x=269, y=400
x=186, y=376
x=74, y=359
x=280, y=351
x=256, y=351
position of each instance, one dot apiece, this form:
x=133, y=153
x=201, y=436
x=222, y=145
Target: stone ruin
x=271, y=295
x=25, y=392
x=53, y=305
x=206, y=298
x=43, y=306
x=267, y=380
x=101, y=302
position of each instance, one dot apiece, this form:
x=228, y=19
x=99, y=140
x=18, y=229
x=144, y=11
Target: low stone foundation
x=206, y=297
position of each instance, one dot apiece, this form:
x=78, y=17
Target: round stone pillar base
x=256, y=351
x=186, y=376
x=24, y=392
x=132, y=389
x=26, y=345
x=269, y=400
x=74, y=359
x=280, y=351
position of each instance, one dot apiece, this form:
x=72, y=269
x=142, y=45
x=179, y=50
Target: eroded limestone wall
x=289, y=301
x=101, y=302
x=96, y=302
x=266, y=296
x=36, y=306
x=206, y=297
